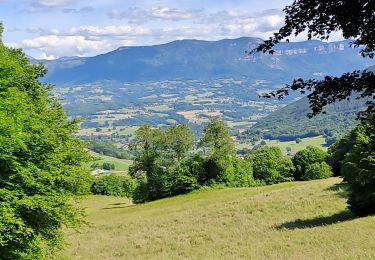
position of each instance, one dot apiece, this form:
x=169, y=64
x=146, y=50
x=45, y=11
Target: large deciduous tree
x=40, y=162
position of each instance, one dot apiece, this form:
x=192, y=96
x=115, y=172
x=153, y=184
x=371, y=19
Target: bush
x=306, y=157
x=317, y=171
x=112, y=185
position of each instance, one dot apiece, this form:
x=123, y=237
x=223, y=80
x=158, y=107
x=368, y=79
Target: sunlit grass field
x=300, y=220
x=120, y=164
x=317, y=141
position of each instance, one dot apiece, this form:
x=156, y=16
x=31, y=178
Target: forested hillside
x=291, y=122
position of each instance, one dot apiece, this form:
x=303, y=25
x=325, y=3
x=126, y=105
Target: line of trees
x=169, y=162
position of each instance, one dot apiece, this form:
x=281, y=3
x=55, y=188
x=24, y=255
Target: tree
x=159, y=165
x=306, y=157
x=358, y=168
x=355, y=19
x=219, y=164
x=270, y=166
x=40, y=162
x=112, y=185
x=317, y=171
x=179, y=140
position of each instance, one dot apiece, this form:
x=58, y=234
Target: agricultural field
x=121, y=165
x=299, y=220
x=112, y=109
x=318, y=141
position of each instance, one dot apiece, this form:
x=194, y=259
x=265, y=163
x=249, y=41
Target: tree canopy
x=40, y=162
x=320, y=18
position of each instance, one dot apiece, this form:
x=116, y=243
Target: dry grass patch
x=304, y=220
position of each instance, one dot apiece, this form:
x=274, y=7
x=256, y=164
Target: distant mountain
x=291, y=122
x=194, y=59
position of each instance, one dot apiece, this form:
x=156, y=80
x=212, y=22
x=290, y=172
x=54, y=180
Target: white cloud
x=53, y=45
x=138, y=16
x=125, y=30
x=50, y=3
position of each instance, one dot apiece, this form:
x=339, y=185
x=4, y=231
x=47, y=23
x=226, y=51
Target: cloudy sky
x=56, y=28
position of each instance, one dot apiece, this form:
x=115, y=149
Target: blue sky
x=56, y=28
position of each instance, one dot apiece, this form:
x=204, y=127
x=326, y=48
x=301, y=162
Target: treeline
x=108, y=149
x=170, y=162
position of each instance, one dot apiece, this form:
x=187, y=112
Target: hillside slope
x=304, y=220
x=291, y=122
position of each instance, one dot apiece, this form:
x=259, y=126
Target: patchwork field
x=300, y=220
x=318, y=141
x=120, y=164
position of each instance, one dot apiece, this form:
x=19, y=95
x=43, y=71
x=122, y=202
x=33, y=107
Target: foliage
x=112, y=185
x=355, y=19
x=158, y=166
x=270, y=166
x=40, y=162
x=219, y=164
x=108, y=166
x=318, y=170
x=289, y=122
x=109, y=149
x=358, y=168
x=338, y=151
x=163, y=168
x=305, y=158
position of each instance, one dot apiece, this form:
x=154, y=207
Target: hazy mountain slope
x=291, y=122
x=193, y=59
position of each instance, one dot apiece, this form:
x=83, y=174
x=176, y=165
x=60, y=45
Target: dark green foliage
x=109, y=149
x=270, y=166
x=358, y=168
x=338, y=151
x=40, y=162
x=112, y=185
x=108, y=166
x=317, y=171
x=306, y=157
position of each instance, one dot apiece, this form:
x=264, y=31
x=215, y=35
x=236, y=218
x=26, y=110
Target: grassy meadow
x=317, y=141
x=299, y=220
x=120, y=164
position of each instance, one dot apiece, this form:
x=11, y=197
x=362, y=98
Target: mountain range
x=201, y=60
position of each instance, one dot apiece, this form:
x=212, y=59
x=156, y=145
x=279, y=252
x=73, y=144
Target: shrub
x=112, y=185
x=317, y=171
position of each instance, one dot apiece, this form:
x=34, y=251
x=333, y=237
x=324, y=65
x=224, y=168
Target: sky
x=48, y=29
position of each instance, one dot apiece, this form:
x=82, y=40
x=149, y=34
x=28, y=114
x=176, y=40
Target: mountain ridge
x=197, y=59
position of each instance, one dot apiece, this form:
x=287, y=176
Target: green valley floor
x=300, y=220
